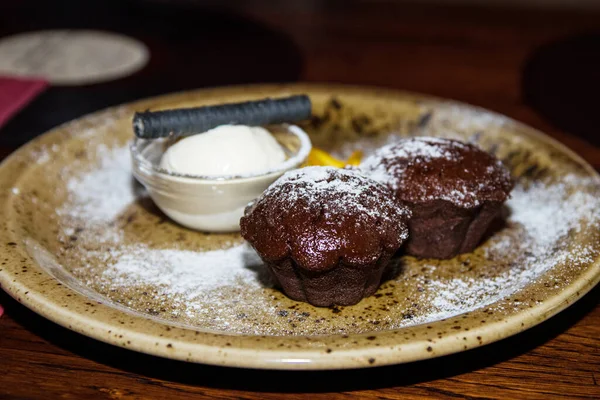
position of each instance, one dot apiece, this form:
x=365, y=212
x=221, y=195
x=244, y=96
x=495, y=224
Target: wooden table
x=473, y=55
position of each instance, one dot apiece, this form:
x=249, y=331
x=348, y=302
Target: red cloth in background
x=16, y=93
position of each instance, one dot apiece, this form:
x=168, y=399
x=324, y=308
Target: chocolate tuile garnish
x=189, y=121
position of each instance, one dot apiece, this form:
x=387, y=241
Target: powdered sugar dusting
x=102, y=194
x=557, y=210
x=428, y=168
x=192, y=282
x=418, y=150
x=430, y=148
x=182, y=272
x=313, y=184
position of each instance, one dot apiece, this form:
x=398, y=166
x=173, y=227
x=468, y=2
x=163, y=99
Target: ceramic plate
x=84, y=246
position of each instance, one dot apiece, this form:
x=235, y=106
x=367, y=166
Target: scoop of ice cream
x=224, y=151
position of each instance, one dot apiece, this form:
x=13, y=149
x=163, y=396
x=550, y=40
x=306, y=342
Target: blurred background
x=535, y=60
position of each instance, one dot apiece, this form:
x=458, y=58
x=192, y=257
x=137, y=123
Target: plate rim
x=169, y=346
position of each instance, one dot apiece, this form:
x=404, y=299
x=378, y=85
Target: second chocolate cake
x=326, y=234
x=453, y=189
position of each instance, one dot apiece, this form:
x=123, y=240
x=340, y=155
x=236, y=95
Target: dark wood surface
x=518, y=62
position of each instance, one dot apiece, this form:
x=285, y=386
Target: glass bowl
x=211, y=204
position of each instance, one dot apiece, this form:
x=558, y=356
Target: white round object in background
x=71, y=57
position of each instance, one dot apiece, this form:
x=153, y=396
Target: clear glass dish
x=208, y=203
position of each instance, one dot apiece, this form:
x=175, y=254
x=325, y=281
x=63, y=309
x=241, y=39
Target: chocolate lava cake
x=326, y=234
x=454, y=190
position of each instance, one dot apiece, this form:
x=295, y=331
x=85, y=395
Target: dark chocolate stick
x=188, y=121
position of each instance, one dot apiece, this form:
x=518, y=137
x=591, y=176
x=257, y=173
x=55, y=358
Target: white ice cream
x=224, y=151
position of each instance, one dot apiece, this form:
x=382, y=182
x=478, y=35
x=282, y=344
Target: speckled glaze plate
x=83, y=245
